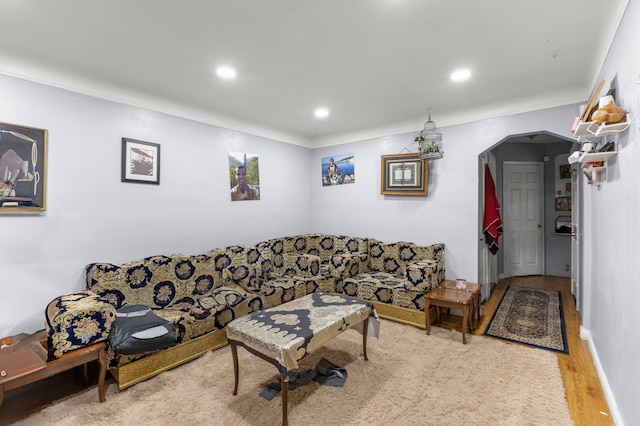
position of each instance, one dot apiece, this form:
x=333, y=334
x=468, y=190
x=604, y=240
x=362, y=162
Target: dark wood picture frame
x=563, y=204
x=404, y=174
x=565, y=171
x=23, y=169
x=140, y=161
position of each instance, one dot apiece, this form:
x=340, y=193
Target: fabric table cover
x=287, y=333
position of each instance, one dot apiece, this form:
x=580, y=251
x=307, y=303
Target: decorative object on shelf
x=563, y=225
x=404, y=174
x=23, y=169
x=608, y=112
x=429, y=141
x=140, y=161
x=461, y=283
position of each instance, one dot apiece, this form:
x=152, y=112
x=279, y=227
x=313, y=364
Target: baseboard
x=566, y=274
x=585, y=334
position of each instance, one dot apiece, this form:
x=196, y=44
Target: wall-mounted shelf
x=592, y=128
x=594, y=163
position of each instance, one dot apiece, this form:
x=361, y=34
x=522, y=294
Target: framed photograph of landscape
x=140, y=161
x=404, y=174
x=23, y=169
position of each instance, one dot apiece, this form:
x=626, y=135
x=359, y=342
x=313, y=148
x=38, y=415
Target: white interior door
x=523, y=187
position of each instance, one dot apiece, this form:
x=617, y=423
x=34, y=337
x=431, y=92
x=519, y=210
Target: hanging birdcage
x=429, y=141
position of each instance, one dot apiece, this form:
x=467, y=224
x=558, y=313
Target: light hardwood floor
x=582, y=386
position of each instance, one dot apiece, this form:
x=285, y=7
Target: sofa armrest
x=422, y=275
x=301, y=265
x=348, y=264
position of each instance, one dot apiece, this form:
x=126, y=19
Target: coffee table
x=449, y=298
x=285, y=334
x=25, y=361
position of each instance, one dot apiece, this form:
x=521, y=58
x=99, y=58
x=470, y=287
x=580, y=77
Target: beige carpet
x=410, y=379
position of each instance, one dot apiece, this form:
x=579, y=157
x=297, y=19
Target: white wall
x=449, y=214
x=611, y=317
x=92, y=216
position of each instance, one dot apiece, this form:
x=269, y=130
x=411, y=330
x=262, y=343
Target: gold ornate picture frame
x=404, y=174
x=23, y=169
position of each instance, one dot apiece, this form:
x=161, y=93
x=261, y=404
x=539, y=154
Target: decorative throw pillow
x=248, y=277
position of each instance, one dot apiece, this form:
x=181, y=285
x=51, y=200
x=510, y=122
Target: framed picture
x=23, y=169
x=338, y=169
x=565, y=171
x=244, y=176
x=404, y=174
x=140, y=161
x=563, y=204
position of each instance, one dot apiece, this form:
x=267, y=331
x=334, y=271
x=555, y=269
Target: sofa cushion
x=301, y=265
x=249, y=277
x=137, y=329
x=75, y=320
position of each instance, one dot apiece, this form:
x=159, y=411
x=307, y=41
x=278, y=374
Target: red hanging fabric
x=492, y=224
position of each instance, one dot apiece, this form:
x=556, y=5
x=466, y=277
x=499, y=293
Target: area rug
x=410, y=379
x=531, y=316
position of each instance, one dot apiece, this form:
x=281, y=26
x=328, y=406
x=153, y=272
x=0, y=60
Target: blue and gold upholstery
x=75, y=320
x=398, y=274
x=201, y=294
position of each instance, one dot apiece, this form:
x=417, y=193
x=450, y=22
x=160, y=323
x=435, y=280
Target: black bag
x=137, y=329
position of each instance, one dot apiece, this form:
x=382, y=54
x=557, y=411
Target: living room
x=92, y=216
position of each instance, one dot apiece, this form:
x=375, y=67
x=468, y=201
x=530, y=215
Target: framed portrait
x=140, y=161
x=404, y=174
x=244, y=176
x=563, y=204
x=565, y=171
x=23, y=169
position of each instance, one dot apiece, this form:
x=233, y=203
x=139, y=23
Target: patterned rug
x=531, y=316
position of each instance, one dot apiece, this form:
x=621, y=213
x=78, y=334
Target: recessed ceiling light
x=321, y=113
x=225, y=72
x=461, y=75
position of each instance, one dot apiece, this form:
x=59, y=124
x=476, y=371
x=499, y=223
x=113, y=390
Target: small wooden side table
x=476, y=290
x=449, y=298
x=25, y=361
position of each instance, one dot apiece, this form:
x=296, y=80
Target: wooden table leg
x=465, y=322
x=102, y=361
x=427, y=316
x=364, y=337
x=234, y=352
x=284, y=384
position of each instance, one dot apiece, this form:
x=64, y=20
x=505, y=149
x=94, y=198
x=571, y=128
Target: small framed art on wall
x=140, y=161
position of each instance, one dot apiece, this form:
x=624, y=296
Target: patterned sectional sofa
x=201, y=294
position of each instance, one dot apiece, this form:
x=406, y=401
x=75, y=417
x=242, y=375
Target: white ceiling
x=375, y=64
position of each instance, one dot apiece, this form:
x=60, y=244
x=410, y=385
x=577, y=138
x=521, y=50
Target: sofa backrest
x=254, y=256
x=324, y=246
x=394, y=257
x=156, y=281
